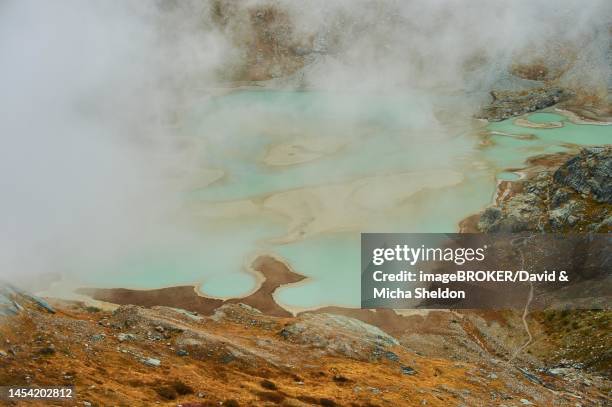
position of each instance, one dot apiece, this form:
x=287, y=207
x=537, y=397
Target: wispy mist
x=451, y=43
x=92, y=163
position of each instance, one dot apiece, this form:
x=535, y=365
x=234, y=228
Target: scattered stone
x=526, y=402
x=560, y=197
x=566, y=215
x=408, y=370
x=340, y=379
x=152, y=362
x=122, y=337
x=154, y=336
x=267, y=384
x=558, y=371
x=47, y=350
x=182, y=352
x=391, y=356
x=604, y=225
x=3, y=353
x=192, y=315
x=530, y=376
x=98, y=337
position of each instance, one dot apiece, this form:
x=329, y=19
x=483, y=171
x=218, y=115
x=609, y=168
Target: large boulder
x=13, y=300
x=340, y=335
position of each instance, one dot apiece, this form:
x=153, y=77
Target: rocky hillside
x=566, y=193
x=238, y=356
x=575, y=196
x=265, y=35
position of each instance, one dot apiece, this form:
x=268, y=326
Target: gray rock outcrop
x=338, y=334
x=590, y=173
x=577, y=196
x=13, y=300
x=507, y=104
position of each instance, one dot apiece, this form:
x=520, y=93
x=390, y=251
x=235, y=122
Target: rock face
x=240, y=356
x=13, y=300
x=535, y=71
x=325, y=334
x=265, y=35
x=508, y=104
x=340, y=335
x=589, y=173
x=577, y=196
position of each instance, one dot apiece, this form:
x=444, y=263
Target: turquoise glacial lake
x=299, y=175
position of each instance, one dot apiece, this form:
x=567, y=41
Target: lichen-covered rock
x=340, y=335
x=187, y=331
x=566, y=215
x=489, y=217
x=604, y=226
x=159, y=321
x=576, y=196
x=13, y=300
x=559, y=197
x=520, y=212
x=245, y=315
x=508, y=104
x=590, y=172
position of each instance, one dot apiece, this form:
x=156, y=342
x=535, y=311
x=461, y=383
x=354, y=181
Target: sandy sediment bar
x=275, y=274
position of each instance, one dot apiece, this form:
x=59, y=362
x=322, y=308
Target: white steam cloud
x=89, y=152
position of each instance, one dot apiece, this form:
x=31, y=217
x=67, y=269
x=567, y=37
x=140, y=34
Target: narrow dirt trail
x=526, y=309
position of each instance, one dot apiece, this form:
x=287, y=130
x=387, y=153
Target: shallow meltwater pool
x=299, y=175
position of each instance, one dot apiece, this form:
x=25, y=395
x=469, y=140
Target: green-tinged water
x=510, y=152
x=379, y=138
x=542, y=118
x=305, y=172
x=169, y=261
x=507, y=176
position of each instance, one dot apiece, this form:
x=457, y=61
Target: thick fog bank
x=93, y=164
